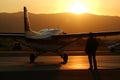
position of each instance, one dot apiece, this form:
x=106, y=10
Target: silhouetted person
x=91, y=47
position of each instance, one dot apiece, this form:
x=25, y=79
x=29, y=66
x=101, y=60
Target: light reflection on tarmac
x=54, y=63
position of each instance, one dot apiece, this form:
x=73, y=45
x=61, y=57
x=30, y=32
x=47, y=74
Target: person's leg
x=94, y=61
x=90, y=61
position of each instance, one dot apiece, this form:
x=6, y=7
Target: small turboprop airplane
x=51, y=40
x=113, y=46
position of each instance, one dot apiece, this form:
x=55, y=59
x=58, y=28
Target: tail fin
x=26, y=20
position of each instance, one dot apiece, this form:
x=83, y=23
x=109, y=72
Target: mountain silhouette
x=70, y=23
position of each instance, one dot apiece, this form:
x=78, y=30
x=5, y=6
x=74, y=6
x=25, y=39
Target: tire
x=32, y=58
x=65, y=58
x=112, y=50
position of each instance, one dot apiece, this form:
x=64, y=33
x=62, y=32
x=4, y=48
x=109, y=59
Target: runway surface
x=51, y=68
x=54, y=63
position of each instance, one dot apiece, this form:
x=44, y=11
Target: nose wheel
x=65, y=58
x=32, y=58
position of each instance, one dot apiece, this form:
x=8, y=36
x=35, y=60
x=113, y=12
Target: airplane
x=51, y=40
x=113, y=46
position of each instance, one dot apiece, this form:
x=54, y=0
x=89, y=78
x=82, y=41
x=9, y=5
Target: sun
x=77, y=8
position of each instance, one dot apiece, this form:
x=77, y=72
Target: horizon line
x=59, y=13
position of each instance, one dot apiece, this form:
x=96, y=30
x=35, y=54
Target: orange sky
x=100, y=7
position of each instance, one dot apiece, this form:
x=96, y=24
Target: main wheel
x=65, y=58
x=112, y=50
x=32, y=58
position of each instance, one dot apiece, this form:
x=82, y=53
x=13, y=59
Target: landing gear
x=32, y=58
x=65, y=58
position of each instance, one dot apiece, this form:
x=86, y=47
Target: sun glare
x=77, y=8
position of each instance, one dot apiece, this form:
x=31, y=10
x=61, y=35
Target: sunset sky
x=99, y=7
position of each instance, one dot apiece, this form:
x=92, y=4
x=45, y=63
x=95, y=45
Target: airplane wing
x=12, y=34
x=66, y=36
x=82, y=35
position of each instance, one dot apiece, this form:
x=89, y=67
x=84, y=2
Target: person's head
x=91, y=35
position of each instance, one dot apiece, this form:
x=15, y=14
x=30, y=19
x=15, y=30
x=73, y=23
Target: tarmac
x=13, y=68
